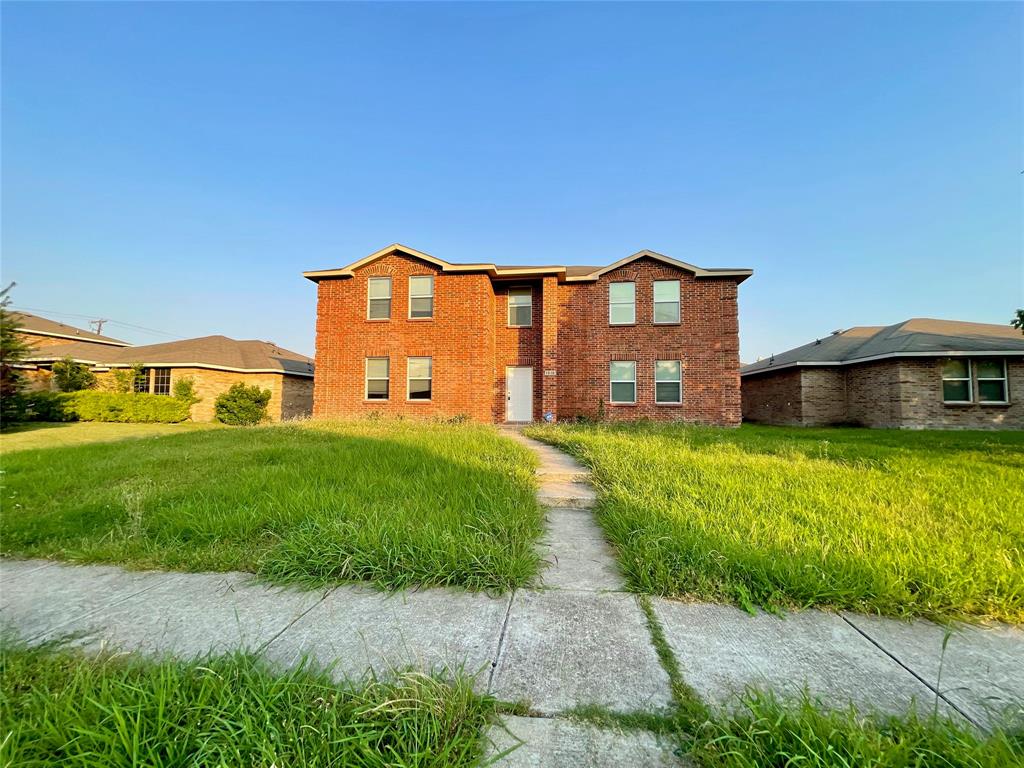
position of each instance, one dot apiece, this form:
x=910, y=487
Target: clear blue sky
x=176, y=166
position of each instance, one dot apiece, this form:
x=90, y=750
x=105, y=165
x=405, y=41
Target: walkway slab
x=578, y=557
x=355, y=629
x=538, y=742
x=982, y=672
x=187, y=614
x=722, y=649
x=562, y=493
x=563, y=649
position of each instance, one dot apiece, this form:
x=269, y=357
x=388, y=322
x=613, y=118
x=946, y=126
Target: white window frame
x=611, y=382
x=370, y=300
x=1004, y=378
x=409, y=379
x=508, y=311
x=367, y=379
x=421, y=296
x=632, y=302
x=679, y=381
x=968, y=379
x=678, y=302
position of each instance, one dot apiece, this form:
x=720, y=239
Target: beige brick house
x=213, y=363
x=918, y=374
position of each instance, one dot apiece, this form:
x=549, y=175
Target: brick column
x=549, y=346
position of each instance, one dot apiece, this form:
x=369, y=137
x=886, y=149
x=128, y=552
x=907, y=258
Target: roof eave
x=888, y=356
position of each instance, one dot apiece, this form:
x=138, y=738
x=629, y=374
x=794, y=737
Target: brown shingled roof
x=218, y=352
x=41, y=326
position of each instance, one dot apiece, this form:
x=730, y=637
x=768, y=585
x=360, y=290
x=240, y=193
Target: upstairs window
x=378, y=292
x=991, y=374
x=622, y=374
x=621, y=303
x=668, y=382
x=956, y=381
x=421, y=296
x=419, y=372
x=378, y=381
x=666, y=301
x=520, y=307
x=141, y=383
x=161, y=381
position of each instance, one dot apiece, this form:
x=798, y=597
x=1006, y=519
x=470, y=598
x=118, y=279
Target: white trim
x=970, y=385
x=889, y=355
x=409, y=379
x=678, y=381
x=371, y=299
x=367, y=379
x=678, y=302
x=83, y=339
x=206, y=366
x=508, y=307
x=612, y=381
x=621, y=303
x=421, y=296
x=697, y=271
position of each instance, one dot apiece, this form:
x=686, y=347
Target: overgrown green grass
x=395, y=503
x=900, y=523
x=39, y=434
x=61, y=708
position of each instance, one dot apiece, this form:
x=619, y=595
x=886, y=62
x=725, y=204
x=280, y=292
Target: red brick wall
x=569, y=345
x=460, y=338
x=706, y=342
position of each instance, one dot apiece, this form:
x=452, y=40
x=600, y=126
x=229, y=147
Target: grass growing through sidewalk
x=62, y=708
x=900, y=523
x=395, y=503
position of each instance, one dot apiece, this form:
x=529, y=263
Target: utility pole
x=98, y=325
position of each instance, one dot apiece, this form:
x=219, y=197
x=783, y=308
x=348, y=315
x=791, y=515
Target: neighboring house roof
x=41, y=326
x=566, y=273
x=917, y=337
x=219, y=352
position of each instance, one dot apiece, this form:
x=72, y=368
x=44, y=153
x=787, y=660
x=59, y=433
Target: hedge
x=91, y=405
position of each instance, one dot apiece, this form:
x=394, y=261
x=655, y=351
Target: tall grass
x=394, y=503
x=925, y=524
x=60, y=708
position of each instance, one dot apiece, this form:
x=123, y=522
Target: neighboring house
x=40, y=333
x=213, y=363
x=921, y=373
x=402, y=332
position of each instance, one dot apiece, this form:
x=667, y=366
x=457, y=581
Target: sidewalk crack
x=501, y=642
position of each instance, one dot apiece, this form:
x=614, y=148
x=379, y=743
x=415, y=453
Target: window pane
x=419, y=389
x=621, y=292
x=666, y=370
x=377, y=389
x=622, y=313
x=665, y=392
x=666, y=313
x=666, y=290
x=623, y=371
x=142, y=381
x=520, y=297
x=990, y=369
x=419, y=367
x=380, y=309
x=376, y=368
x=421, y=286
x=380, y=287
x=423, y=307
x=992, y=391
x=162, y=381
x=956, y=391
x=623, y=392
x=520, y=316
x=955, y=369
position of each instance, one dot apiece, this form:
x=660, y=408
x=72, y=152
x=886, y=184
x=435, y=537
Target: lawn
x=52, y=435
x=899, y=523
x=390, y=502
x=62, y=708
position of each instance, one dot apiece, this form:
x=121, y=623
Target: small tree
x=123, y=379
x=70, y=376
x=185, y=390
x=1018, y=321
x=242, y=405
x=13, y=350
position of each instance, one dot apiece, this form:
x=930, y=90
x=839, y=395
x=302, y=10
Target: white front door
x=518, y=394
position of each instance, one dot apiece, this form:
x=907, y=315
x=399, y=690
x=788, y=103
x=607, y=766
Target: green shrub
x=47, y=406
x=242, y=405
x=123, y=379
x=71, y=376
x=185, y=390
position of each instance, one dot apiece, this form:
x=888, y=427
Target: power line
x=92, y=318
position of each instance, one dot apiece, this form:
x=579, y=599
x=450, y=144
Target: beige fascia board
x=111, y=343
x=889, y=356
x=743, y=274
x=147, y=364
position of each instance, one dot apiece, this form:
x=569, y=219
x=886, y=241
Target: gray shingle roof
x=212, y=351
x=918, y=336
x=27, y=323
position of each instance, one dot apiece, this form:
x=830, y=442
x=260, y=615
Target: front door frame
x=508, y=394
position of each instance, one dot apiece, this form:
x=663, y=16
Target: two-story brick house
x=401, y=332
